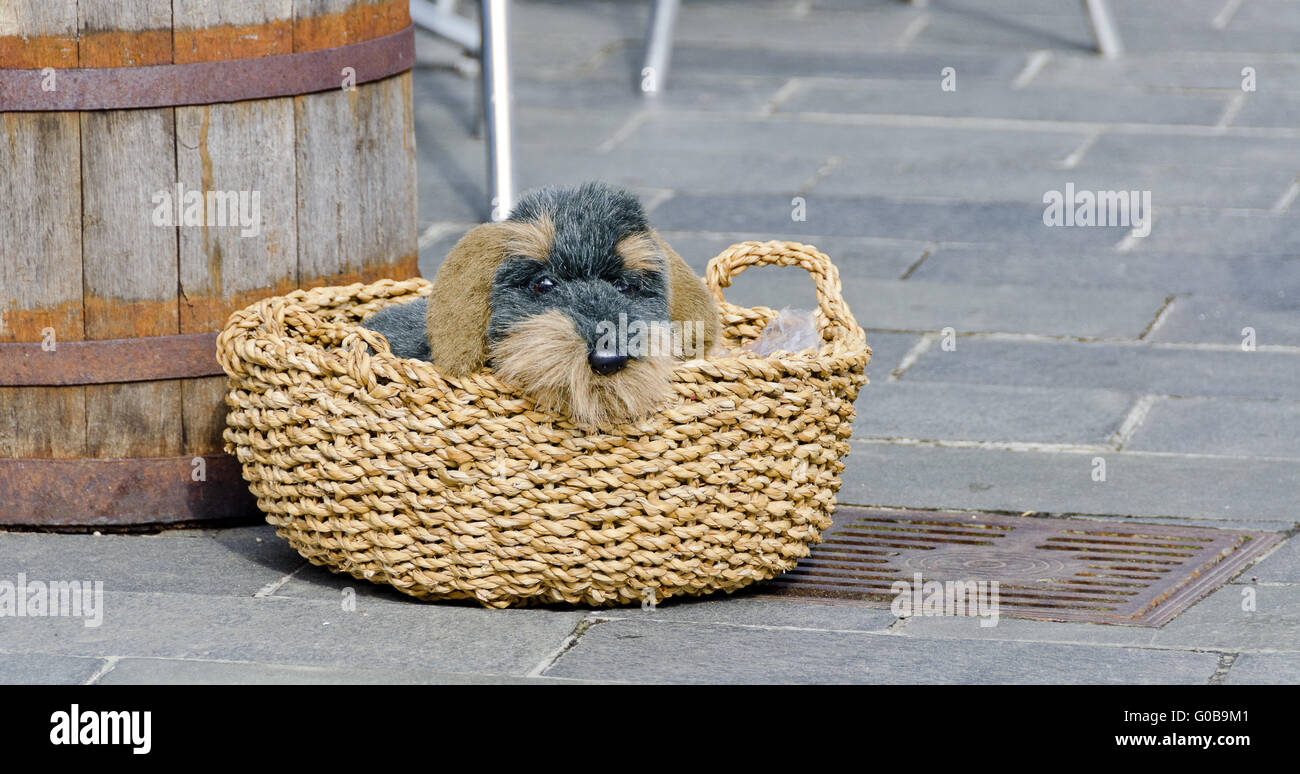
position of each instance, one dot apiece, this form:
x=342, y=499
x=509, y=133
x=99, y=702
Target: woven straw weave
x=380, y=467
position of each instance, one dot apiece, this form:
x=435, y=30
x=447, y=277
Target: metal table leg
x=658, y=46
x=497, y=98
x=1103, y=28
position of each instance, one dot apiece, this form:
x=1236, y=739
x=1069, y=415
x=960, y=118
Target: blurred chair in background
x=1103, y=26
x=490, y=42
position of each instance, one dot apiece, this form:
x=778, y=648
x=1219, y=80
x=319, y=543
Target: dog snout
x=606, y=361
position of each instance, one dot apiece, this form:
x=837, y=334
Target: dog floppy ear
x=459, y=304
x=689, y=300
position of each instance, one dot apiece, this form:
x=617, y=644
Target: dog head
x=575, y=300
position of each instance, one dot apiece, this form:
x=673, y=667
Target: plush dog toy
x=574, y=299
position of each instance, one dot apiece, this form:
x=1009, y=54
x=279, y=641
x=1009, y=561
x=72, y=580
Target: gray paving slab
x=911, y=305
x=1266, y=13
x=162, y=671
x=932, y=411
x=46, y=669
x=1281, y=566
x=1123, y=9
x=1129, y=367
x=444, y=117
x=278, y=630
x=1221, y=321
x=436, y=53
x=981, y=179
x=1243, y=428
x=450, y=186
x=887, y=353
x=704, y=23
x=645, y=651
x=434, y=252
x=1014, y=222
x=971, y=98
x=948, y=176
x=671, y=170
x=614, y=87
x=748, y=608
x=1187, y=35
x=233, y=562
x=1189, y=151
x=1214, y=231
x=899, y=144
x=1138, y=71
x=1136, y=485
x=971, y=27
x=318, y=584
x=1220, y=620
x=924, y=306
x=1024, y=630
x=784, y=6
x=692, y=58
x=440, y=202
x=444, y=103
x=565, y=38
x=1265, y=669
x=1269, y=282
x=452, y=161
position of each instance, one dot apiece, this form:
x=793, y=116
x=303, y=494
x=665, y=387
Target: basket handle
x=830, y=295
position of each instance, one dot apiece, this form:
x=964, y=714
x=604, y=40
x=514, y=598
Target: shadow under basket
x=383, y=468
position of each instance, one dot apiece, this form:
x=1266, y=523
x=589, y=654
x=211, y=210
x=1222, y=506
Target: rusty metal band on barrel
x=203, y=83
x=122, y=492
x=108, y=361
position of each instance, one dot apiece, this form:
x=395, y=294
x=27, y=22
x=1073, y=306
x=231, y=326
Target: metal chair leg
x=441, y=19
x=497, y=98
x=1103, y=28
x=658, y=46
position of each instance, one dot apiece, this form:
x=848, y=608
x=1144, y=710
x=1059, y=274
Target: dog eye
x=543, y=284
x=622, y=285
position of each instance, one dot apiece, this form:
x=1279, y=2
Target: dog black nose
x=606, y=361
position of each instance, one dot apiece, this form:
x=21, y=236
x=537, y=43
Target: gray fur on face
x=405, y=327
x=590, y=283
x=589, y=220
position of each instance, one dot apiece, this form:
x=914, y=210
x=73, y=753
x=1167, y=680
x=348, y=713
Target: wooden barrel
x=294, y=115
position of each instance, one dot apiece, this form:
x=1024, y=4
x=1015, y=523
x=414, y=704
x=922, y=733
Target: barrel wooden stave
x=335, y=172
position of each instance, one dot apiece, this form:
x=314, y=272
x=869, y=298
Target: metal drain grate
x=1046, y=569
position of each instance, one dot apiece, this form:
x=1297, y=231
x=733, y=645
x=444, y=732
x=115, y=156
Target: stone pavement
x=1008, y=354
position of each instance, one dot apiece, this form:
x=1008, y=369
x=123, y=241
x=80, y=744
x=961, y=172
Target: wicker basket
x=380, y=467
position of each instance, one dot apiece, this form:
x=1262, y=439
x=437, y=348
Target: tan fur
x=546, y=357
x=689, y=299
x=458, y=304
x=640, y=252
x=532, y=239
